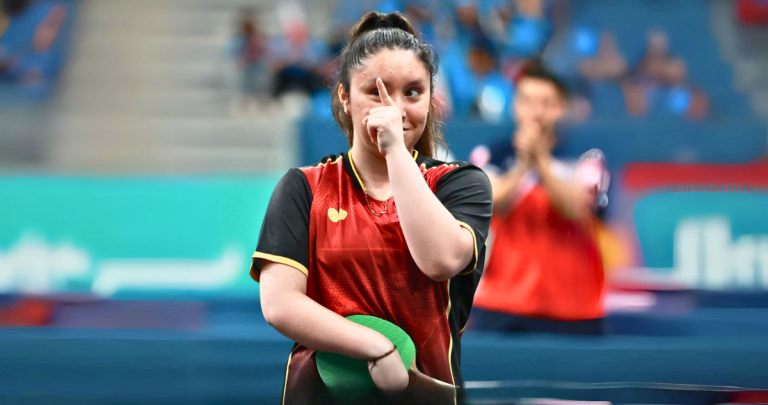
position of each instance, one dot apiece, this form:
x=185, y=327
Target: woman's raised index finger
x=385, y=98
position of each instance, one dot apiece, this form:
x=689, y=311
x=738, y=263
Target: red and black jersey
x=319, y=222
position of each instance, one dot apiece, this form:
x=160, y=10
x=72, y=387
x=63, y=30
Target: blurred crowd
x=31, y=44
x=483, y=45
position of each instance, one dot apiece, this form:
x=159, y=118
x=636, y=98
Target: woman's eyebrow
x=372, y=83
x=388, y=85
x=419, y=82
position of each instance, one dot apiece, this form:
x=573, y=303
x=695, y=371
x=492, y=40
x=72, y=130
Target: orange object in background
x=27, y=312
x=615, y=248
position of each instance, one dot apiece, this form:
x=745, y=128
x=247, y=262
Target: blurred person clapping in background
x=545, y=272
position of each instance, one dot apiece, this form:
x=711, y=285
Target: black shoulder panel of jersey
x=284, y=234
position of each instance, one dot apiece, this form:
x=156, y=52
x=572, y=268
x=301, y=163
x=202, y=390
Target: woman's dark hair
x=373, y=33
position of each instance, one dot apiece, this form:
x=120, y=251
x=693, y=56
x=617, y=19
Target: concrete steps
x=150, y=88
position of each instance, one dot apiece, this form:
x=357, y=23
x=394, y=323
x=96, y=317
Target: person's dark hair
x=373, y=33
x=535, y=69
x=12, y=7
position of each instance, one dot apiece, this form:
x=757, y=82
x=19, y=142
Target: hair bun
x=375, y=20
x=383, y=24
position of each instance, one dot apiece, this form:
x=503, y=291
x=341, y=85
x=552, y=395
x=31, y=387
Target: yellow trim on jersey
x=277, y=259
x=352, y=163
x=360, y=180
x=287, y=368
x=474, y=244
x=450, y=336
x=424, y=165
x=328, y=162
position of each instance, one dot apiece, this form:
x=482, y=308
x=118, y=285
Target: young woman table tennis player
x=381, y=230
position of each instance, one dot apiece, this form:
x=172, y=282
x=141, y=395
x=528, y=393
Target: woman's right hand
x=389, y=375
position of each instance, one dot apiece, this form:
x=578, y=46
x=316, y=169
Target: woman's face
x=407, y=82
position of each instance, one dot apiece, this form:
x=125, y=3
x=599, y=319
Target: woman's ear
x=344, y=98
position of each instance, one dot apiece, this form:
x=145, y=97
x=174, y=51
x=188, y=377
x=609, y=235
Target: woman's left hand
x=385, y=123
x=389, y=375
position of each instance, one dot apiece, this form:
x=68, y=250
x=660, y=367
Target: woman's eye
x=413, y=93
x=375, y=92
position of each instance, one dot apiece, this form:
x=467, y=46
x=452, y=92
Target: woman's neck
x=373, y=172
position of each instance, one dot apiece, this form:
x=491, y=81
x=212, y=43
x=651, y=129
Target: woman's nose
x=399, y=103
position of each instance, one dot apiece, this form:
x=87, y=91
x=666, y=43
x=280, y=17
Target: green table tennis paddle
x=347, y=378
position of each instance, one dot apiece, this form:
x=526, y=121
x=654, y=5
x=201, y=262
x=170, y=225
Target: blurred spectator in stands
x=48, y=29
x=468, y=27
x=528, y=33
x=423, y=19
x=698, y=105
x=493, y=93
x=27, y=38
x=660, y=81
x=658, y=66
x=302, y=62
x=472, y=70
x=608, y=65
x=478, y=89
x=598, y=77
x=252, y=52
x=544, y=270
x=5, y=21
x=571, y=44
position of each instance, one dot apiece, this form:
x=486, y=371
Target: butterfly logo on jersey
x=336, y=216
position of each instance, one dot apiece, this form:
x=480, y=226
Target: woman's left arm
x=439, y=245
x=445, y=230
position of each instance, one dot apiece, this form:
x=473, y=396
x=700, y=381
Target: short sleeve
x=284, y=234
x=466, y=193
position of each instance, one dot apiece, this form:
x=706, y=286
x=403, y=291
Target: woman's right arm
x=284, y=300
x=291, y=312
x=288, y=309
